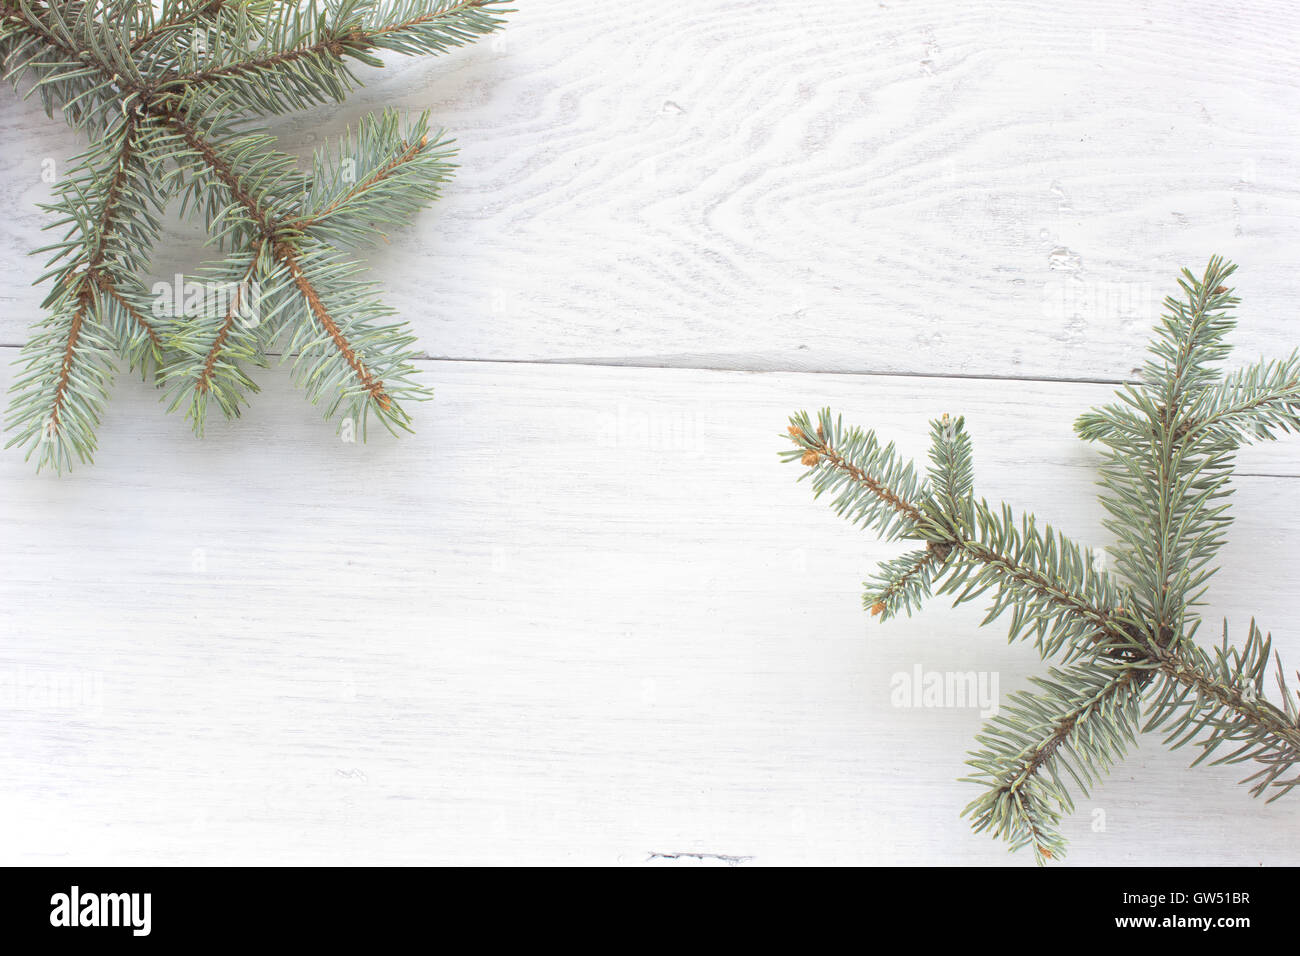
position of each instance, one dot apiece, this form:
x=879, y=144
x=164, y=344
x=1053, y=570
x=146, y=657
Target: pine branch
x=382, y=177
x=424, y=26
x=1047, y=581
x=179, y=82
x=296, y=57
x=63, y=380
x=73, y=67
x=874, y=488
x=1212, y=701
x=124, y=306
x=218, y=335
x=1253, y=403
x=255, y=209
x=57, y=402
x=294, y=61
x=900, y=585
x=1080, y=723
x=1166, y=480
x=176, y=15
x=111, y=230
x=347, y=353
x=1125, y=636
x=353, y=355
x=1191, y=336
x=952, y=471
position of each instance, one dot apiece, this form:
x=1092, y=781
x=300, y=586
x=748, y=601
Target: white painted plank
x=584, y=615
x=1004, y=189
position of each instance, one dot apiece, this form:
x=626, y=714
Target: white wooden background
x=584, y=615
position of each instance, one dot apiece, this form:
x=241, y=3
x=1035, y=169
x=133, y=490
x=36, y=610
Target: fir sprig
x=1125, y=634
x=165, y=93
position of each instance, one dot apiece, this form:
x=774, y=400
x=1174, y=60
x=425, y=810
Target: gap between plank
x=782, y=370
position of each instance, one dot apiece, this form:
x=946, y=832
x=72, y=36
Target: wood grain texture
x=840, y=185
x=584, y=615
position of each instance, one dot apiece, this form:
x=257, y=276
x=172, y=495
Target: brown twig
x=374, y=179
x=286, y=254
x=204, y=380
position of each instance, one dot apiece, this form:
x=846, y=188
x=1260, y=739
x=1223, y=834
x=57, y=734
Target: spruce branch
x=1212, y=700
x=901, y=584
x=1053, y=590
x=154, y=23
x=381, y=177
x=294, y=56
x=1167, y=478
x=1124, y=635
x=215, y=340
x=166, y=94
x=1080, y=722
x=1254, y=403
x=109, y=204
x=872, y=485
